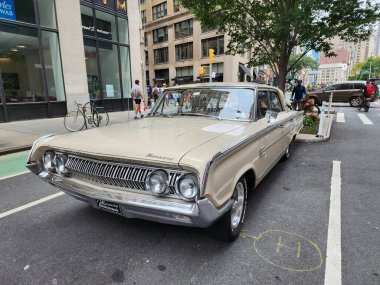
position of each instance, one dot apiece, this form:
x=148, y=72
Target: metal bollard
x=329, y=106
x=321, y=121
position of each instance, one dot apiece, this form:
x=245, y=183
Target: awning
x=244, y=69
x=160, y=79
x=183, y=77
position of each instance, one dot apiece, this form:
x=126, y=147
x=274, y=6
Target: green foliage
x=308, y=121
x=298, y=63
x=271, y=29
x=372, y=64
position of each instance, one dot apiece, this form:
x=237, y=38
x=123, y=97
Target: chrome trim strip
x=225, y=152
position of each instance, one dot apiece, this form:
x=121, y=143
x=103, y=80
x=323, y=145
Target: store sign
x=103, y=28
x=7, y=10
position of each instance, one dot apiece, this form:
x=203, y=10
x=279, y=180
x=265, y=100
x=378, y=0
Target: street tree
x=367, y=69
x=271, y=29
x=300, y=62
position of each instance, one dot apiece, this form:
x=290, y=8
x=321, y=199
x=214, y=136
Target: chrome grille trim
x=124, y=176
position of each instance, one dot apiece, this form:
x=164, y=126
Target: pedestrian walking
x=136, y=94
x=156, y=93
x=298, y=93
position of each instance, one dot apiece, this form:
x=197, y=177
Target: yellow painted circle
x=280, y=245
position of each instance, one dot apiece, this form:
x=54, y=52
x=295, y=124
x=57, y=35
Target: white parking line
x=364, y=119
x=333, y=273
x=340, y=118
x=26, y=206
x=10, y=176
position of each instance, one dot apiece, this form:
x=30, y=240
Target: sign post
x=211, y=59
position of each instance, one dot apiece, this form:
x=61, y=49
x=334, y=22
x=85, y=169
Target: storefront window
x=109, y=68
x=53, y=70
x=105, y=26
x=92, y=69
x=20, y=65
x=46, y=11
x=87, y=21
x=123, y=31
x=125, y=71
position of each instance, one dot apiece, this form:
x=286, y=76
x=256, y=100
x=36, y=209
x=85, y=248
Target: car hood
x=155, y=139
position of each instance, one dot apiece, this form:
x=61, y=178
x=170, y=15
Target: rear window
x=358, y=85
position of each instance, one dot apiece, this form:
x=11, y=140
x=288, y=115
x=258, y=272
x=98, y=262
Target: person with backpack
x=137, y=96
x=155, y=93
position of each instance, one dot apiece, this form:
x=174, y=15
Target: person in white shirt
x=136, y=94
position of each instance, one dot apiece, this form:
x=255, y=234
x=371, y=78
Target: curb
x=312, y=138
x=14, y=149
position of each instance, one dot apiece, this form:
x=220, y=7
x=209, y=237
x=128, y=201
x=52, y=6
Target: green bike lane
x=13, y=164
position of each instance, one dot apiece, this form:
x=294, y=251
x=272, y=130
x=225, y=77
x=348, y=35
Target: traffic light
x=211, y=55
x=201, y=71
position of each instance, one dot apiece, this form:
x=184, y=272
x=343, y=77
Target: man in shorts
x=136, y=94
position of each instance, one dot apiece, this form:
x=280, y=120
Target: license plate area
x=109, y=207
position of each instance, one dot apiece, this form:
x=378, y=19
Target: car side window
x=358, y=86
x=262, y=104
x=345, y=86
x=275, y=102
x=331, y=87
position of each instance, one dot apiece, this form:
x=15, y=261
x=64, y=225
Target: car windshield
x=218, y=103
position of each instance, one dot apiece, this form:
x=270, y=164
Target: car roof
x=222, y=84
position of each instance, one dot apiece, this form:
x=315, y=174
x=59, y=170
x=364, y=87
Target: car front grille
x=115, y=174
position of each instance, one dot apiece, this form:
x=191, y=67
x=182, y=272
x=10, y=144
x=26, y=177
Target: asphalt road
x=284, y=239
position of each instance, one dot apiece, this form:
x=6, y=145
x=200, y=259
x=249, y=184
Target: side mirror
x=269, y=115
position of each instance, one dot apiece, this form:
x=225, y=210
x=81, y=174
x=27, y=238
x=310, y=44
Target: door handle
x=281, y=126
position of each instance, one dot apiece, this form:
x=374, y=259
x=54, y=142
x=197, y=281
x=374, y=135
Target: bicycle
x=84, y=115
x=307, y=105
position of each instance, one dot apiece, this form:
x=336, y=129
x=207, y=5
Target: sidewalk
x=20, y=135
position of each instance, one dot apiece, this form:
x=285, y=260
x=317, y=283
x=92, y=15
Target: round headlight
x=188, y=187
x=48, y=160
x=157, y=182
x=60, y=163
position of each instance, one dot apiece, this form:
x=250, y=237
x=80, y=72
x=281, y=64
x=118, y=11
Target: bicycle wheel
x=74, y=121
x=101, y=119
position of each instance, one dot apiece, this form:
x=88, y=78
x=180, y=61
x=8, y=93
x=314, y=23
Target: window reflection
x=20, y=65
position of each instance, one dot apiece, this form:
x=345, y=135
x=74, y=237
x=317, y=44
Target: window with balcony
x=216, y=43
x=160, y=35
x=183, y=29
x=160, y=10
x=184, y=51
x=161, y=55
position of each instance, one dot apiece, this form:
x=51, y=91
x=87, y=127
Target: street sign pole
x=210, y=72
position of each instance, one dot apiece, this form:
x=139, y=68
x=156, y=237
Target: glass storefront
x=31, y=80
x=106, y=47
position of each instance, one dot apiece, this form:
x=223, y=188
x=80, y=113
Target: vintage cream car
x=190, y=162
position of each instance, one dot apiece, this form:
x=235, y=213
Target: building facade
x=56, y=53
x=177, y=46
x=332, y=72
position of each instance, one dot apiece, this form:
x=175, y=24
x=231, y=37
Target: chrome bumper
x=201, y=213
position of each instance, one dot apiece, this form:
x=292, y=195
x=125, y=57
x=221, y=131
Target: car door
x=283, y=119
x=342, y=94
x=271, y=142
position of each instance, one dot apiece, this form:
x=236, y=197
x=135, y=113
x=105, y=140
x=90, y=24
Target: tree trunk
x=282, y=70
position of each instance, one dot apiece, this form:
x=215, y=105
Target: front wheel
x=74, y=121
x=101, y=119
x=354, y=101
x=229, y=226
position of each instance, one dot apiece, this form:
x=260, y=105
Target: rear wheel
x=74, y=121
x=286, y=155
x=102, y=117
x=354, y=101
x=229, y=226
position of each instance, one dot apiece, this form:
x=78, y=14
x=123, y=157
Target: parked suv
x=348, y=92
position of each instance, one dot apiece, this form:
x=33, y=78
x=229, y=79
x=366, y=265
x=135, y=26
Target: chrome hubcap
x=355, y=102
x=238, y=205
